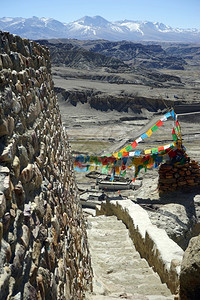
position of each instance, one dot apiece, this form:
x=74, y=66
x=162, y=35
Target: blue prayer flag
x=173, y=114
x=167, y=115
x=144, y=136
x=137, y=152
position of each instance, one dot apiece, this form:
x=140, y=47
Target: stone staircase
x=119, y=271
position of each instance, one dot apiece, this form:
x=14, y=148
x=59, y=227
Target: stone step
x=126, y=255
x=117, y=266
x=131, y=278
x=126, y=296
x=109, y=239
x=105, y=222
x=152, y=289
x=137, y=271
x=147, y=285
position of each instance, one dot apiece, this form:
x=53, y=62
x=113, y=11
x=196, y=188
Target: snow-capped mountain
x=34, y=28
x=97, y=28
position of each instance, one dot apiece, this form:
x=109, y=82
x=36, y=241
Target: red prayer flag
x=159, y=123
x=134, y=144
x=125, y=154
x=161, y=148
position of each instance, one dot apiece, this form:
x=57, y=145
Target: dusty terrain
x=93, y=131
x=104, y=109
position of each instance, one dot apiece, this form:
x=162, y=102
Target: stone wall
x=43, y=243
x=179, y=177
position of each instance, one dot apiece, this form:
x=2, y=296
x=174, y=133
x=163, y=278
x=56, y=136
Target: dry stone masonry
x=176, y=177
x=43, y=244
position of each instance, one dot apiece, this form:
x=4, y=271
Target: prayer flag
x=104, y=170
x=174, y=135
x=137, y=152
x=132, y=153
x=177, y=126
x=167, y=146
x=125, y=154
x=115, y=154
x=172, y=154
x=163, y=119
x=167, y=115
x=155, y=150
x=144, y=136
x=123, y=173
x=173, y=114
x=161, y=148
x=120, y=154
x=117, y=170
x=138, y=140
x=129, y=148
x=154, y=128
x=149, y=132
x=159, y=123
x=148, y=151
x=133, y=145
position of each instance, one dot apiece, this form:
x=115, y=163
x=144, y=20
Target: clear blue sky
x=176, y=13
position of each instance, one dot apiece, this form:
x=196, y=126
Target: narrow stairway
x=119, y=271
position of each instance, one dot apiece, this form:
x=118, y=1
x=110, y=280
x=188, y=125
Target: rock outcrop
x=148, y=56
x=66, y=54
x=190, y=271
x=43, y=244
x=99, y=101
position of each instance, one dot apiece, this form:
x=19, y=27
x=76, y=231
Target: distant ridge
x=93, y=28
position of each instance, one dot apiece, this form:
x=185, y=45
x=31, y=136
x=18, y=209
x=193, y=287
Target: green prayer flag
x=123, y=173
x=104, y=170
x=155, y=150
x=129, y=148
x=154, y=128
x=120, y=154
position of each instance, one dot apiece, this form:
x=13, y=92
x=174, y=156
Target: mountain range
x=93, y=28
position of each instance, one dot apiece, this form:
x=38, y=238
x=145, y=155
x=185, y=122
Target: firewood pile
x=179, y=177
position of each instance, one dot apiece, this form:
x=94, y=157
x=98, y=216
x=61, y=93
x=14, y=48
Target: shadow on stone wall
x=43, y=243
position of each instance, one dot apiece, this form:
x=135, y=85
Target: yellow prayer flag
x=115, y=154
x=149, y=132
x=121, y=151
x=148, y=151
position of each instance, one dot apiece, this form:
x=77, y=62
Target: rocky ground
x=104, y=109
x=91, y=131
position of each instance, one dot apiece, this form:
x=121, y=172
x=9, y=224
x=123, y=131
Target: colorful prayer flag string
x=126, y=158
x=148, y=133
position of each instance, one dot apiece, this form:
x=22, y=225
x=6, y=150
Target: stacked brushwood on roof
x=176, y=177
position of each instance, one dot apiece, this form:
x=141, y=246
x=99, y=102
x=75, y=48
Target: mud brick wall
x=179, y=177
x=43, y=242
